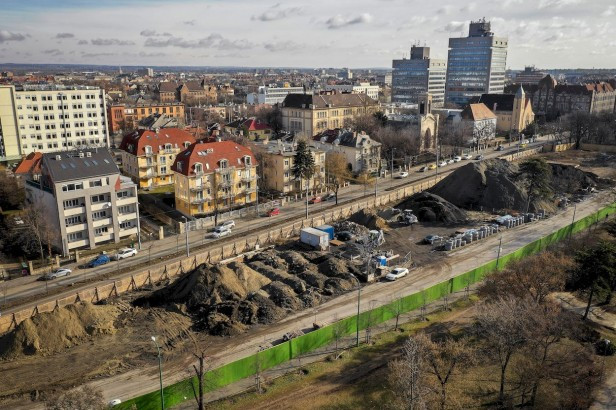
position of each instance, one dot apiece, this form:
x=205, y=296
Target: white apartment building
x=371, y=91
x=85, y=199
x=272, y=95
x=49, y=118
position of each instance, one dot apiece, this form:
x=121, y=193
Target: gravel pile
x=432, y=208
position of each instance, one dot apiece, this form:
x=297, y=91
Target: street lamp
x=186, y=231
x=160, y=374
x=358, y=302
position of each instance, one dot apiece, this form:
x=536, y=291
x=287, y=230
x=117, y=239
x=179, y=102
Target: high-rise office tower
x=476, y=64
x=413, y=78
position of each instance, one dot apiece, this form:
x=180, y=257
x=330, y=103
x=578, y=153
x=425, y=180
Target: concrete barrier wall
x=218, y=253
x=598, y=147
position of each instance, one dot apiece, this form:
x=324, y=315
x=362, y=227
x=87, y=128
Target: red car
x=273, y=212
x=315, y=200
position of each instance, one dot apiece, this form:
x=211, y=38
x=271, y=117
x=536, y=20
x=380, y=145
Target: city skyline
x=545, y=33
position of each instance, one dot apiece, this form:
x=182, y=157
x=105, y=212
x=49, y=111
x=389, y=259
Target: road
x=28, y=288
x=141, y=381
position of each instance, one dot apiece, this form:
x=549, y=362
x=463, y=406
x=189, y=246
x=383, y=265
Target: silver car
x=58, y=273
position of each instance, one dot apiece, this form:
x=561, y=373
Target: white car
x=457, y=158
x=467, y=156
x=397, y=273
x=442, y=164
x=450, y=161
x=221, y=231
x=227, y=224
x=402, y=175
x=125, y=253
x=58, y=273
x=115, y=402
x=423, y=169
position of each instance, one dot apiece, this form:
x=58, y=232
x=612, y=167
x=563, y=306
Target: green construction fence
x=266, y=359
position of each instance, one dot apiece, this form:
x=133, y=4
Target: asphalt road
x=28, y=288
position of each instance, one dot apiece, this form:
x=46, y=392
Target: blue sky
x=316, y=33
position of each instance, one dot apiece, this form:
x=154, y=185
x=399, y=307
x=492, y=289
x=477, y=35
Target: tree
x=501, y=324
x=534, y=277
x=408, y=376
x=12, y=196
x=337, y=171
x=579, y=125
x=272, y=117
x=380, y=118
x=537, y=173
x=35, y=219
x=303, y=166
x=86, y=398
x=368, y=123
x=200, y=371
x=596, y=271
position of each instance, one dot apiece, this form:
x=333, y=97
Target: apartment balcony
x=127, y=217
x=148, y=175
x=248, y=178
x=104, y=237
x=128, y=200
x=101, y=222
x=78, y=244
x=149, y=154
x=99, y=206
x=148, y=165
x=78, y=210
x=76, y=228
x=128, y=231
x=196, y=188
x=251, y=190
x=200, y=200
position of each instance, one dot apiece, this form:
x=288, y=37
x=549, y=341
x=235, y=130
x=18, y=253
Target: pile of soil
x=432, y=208
x=55, y=331
x=369, y=219
x=496, y=184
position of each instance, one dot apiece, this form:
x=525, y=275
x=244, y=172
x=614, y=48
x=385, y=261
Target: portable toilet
x=381, y=260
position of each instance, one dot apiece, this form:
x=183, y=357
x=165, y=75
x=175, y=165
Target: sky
x=315, y=33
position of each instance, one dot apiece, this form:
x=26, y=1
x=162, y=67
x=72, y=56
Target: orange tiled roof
x=135, y=142
x=30, y=164
x=477, y=112
x=209, y=154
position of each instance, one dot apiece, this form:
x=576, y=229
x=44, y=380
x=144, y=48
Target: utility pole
x=160, y=374
x=186, y=231
x=392, y=163
x=500, y=242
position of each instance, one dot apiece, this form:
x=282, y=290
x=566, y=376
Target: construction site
x=244, y=295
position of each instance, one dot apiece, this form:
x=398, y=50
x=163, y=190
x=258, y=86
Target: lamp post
x=160, y=374
x=500, y=242
x=358, y=304
x=186, y=231
x=392, y=163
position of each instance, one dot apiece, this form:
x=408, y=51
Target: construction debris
x=432, y=208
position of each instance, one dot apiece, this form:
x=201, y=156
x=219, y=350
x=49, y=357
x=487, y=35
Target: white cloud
x=446, y=9
x=610, y=11
x=111, y=42
x=454, y=26
x=339, y=21
x=557, y=4
x=277, y=13
x=212, y=41
x=65, y=35
x=468, y=7
x=10, y=36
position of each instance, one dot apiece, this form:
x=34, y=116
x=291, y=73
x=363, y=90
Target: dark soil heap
x=432, y=208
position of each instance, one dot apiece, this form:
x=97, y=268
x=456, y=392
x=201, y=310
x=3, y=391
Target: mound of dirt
x=369, y=219
x=296, y=262
x=54, y=331
x=250, y=278
x=568, y=179
x=283, y=296
x=432, y=208
x=336, y=267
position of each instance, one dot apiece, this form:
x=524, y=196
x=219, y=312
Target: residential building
x=147, y=156
x=214, y=177
x=84, y=199
x=514, y=112
x=551, y=99
x=480, y=122
x=529, y=76
x=123, y=116
x=476, y=64
x=385, y=79
x=362, y=153
x=272, y=95
x=277, y=169
x=307, y=115
x=146, y=71
x=167, y=91
x=345, y=74
x=250, y=128
x=197, y=92
x=371, y=91
x=414, y=77
x=49, y=118
x=29, y=166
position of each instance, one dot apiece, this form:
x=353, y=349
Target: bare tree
x=396, y=307
x=501, y=324
x=35, y=218
x=337, y=171
x=338, y=331
x=200, y=369
x=85, y=398
x=408, y=376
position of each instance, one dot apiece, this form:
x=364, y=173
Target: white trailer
x=315, y=238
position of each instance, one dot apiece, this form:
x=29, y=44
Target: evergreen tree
x=303, y=166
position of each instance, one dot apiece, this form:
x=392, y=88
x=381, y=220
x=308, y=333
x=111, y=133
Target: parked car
x=467, y=156
x=125, y=253
x=98, y=261
x=450, y=161
x=114, y=402
x=56, y=274
x=500, y=148
x=479, y=157
x=442, y=164
x=314, y=200
x=18, y=220
x=457, y=158
x=228, y=224
x=221, y=231
x=403, y=174
x=329, y=197
x=273, y=212
x=432, y=166
x=345, y=236
x=423, y=169
x=397, y=273
x=431, y=239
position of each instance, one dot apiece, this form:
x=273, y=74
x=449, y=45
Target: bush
x=605, y=347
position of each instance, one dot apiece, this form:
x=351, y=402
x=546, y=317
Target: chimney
x=494, y=107
x=58, y=157
x=81, y=155
x=88, y=154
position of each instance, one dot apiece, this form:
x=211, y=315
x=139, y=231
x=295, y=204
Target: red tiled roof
x=30, y=164
x=252, y=124
x=135, y=142
x=209, y=155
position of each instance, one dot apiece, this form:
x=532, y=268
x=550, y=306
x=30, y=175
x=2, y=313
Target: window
x=75, y=236
x=73, y=220
x=126, y=225
x=72, y=187
x=198, y=168
x=224, y=164
x=247, y=160
x=123, y=194
x=97, y=198
x=163, y=160
x=71, y=203
x=124, y=209
x=99, y=215
x=96, y=182
x=101, y=231
x=163, y=170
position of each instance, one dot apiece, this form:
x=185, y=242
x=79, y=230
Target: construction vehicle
x=407, y=217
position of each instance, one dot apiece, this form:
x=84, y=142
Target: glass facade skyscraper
x=414, y=77
x=476, y=64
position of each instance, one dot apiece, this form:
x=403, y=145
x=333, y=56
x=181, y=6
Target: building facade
x=49, y=118
x=251, y=128
x=85, y=199
x=277, y=169
x=370, y=90
x=513, y=112
x=272, y=95
x=307, y=115
x=147, y=156
x=476, y=64
x=214, y=177
x=478, y=123
x=412, y=78
x=362, y=153
x=122, y=116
